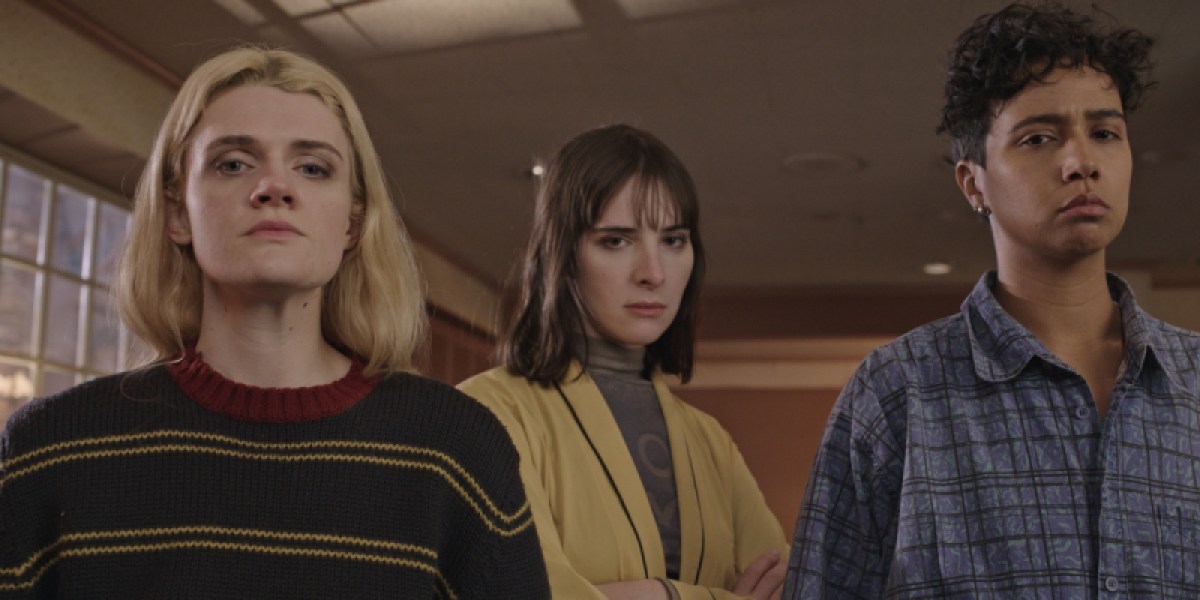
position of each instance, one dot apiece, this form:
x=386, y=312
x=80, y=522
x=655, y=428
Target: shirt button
x=1083, y=412
x=1111, y=584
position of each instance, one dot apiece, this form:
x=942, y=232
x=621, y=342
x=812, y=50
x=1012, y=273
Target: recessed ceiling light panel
x=937, y=268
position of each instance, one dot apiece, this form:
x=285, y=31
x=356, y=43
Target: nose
x=649, y=271
x=1079, y=163
x=272, y=189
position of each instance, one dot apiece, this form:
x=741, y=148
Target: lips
x=1085, y=205
x=271, y=228
x=646, y=309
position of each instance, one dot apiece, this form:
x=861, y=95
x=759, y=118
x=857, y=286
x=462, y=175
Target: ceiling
x=462, y=96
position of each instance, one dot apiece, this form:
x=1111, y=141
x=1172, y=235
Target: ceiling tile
x=402, y=26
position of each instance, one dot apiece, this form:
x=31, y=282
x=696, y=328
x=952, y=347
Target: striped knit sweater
x=177, y=483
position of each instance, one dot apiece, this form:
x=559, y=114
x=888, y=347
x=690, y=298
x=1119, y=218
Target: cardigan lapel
x=691, y=523
x=597, y=420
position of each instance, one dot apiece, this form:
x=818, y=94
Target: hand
x=763, y=579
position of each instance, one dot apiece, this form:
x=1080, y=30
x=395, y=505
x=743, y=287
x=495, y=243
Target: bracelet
x=672, y=593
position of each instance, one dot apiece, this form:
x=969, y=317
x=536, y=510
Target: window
x=58, y=242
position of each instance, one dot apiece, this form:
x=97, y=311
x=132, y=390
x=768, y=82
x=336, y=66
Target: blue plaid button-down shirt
x=964, y=460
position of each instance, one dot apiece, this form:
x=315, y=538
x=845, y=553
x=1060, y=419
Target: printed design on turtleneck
x=636, y=409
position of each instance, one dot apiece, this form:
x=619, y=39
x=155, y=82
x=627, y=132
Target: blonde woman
x=277, y=445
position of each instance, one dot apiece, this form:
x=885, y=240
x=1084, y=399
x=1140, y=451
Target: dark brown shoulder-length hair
x=545, y=317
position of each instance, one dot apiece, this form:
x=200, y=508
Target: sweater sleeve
x=841, y=547
x=512, y=568
x=493, y=552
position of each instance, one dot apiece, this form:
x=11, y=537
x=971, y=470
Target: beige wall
x=1179, y=307
x=48, y=63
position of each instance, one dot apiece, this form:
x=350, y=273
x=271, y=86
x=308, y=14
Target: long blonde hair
x=374, y=305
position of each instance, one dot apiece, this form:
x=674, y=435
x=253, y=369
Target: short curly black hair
x=1001, y=53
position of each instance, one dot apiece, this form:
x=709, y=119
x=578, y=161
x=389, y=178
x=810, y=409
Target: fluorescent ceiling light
x=640, y=9
x=297, y=8
x=404, y=25
x=937, y=268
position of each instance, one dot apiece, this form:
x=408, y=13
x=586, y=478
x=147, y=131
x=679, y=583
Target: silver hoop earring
x=981, y=210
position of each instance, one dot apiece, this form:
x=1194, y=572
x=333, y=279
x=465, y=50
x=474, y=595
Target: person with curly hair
x=1044, y=442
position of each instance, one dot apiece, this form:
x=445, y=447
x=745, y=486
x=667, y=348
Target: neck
x=609, y=356
x=272, y=343
x=1064, y=306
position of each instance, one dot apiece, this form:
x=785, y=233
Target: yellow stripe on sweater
x=89, y=551
x=212, y=437
x=213, y=529
x=504, y=528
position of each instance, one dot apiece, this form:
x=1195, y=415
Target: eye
x=677, y=240
x=231, y=166
x=314, y=170
x=614, y=241
x=1107, y=134
x=1035, y=140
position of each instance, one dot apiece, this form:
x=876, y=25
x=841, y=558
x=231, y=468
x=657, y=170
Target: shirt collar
x=1001, y=347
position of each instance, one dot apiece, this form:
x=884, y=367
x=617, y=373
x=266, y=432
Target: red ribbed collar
x=213, y=391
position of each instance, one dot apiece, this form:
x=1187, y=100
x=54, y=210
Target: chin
x=1087, y=246
x=633, y=341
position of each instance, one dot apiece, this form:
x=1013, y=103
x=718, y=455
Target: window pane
x=18, y=297
x=16, y=387
x=110, y=232
x=62, y=320
x=55, y=381
x=24, y=206
x=105, y=335
x=69, y=239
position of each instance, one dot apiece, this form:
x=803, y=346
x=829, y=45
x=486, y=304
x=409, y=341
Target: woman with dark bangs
x=635, y=494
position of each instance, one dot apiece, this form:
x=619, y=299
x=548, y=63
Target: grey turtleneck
x=634, y=405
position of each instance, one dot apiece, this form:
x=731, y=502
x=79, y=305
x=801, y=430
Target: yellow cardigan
x=585, y=534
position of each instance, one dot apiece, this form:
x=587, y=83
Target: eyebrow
x=246, y=140
x=316, y=145
x=1099, y=114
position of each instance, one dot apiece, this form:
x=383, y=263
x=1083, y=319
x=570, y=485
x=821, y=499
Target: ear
x=179, y=228
x=969, y=174
x=354, y=230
